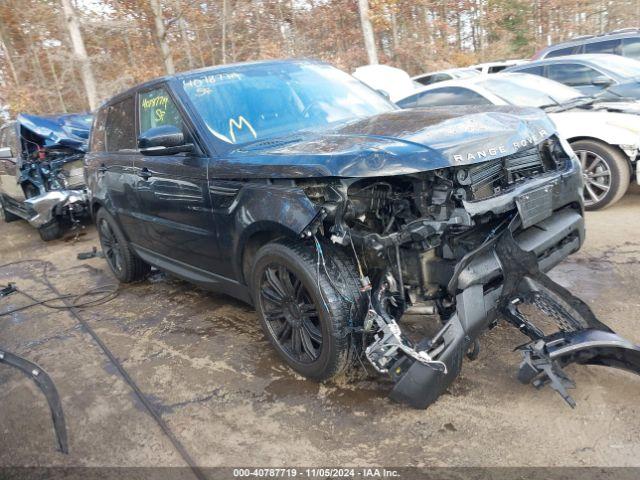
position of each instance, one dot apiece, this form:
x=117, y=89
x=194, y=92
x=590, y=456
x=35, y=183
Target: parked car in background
x=443, y=75
x=41, y=171
x=606, y=142
x=498, y=66
x=390, y=81
x=624, y=42
x=292, y=186
x=590, y=74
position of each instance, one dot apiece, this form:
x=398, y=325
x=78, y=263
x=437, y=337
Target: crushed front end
x=50, y=169
x=469, y=243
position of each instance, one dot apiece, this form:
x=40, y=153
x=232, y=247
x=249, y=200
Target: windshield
x=534, y=92
x=270, y=100
x=621, y=66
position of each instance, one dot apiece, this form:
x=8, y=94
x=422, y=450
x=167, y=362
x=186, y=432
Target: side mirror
x=601, y=81
x=5, y=152
x=163, y=140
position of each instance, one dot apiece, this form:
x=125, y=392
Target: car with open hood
x=604, y=134
x=292, y=186
x=41, y=171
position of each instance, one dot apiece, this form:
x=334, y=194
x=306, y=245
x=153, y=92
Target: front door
x=173, y=191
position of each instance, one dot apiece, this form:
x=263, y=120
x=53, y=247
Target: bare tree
x=367, y=32
x=79, y=50
x=161, y=36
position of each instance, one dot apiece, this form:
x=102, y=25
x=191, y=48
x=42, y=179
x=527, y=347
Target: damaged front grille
x=490, y=178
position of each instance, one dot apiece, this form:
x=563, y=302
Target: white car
x=603, y=135
x=393, y=82
x=495, y=67
x=430, y=78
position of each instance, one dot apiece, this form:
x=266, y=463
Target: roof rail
x=580, y=37
x=623, y=30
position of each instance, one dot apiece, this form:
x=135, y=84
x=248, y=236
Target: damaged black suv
x=292, y=186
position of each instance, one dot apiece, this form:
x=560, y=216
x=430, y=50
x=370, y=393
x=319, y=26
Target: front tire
x=605, y=171
x=51, y=230
x=124, y=263
x=308, y=318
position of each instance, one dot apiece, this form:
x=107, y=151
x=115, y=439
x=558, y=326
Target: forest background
x=61, y=56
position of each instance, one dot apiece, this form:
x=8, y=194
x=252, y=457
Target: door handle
x=145, y=174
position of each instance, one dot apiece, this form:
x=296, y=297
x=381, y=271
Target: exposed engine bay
x=469, y=244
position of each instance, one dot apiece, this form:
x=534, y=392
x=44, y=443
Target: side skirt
x=195, y=275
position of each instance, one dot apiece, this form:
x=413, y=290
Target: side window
x=157, y=109
x=539, y=70
x=435, y=78
x=97, y=143
x=450, y=96
x=572, y=74
x=120, y=126
x=608, y=46
x=631, y=48
x=426, y=80
x=560, y=52
x=497, y=68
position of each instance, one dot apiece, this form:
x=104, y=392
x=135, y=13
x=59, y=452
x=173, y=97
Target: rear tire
x=124, y=263
x=307, y=318
x=605, y=171
x=51, y=231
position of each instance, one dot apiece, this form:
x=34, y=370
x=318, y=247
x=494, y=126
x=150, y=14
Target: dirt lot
x=202, y=361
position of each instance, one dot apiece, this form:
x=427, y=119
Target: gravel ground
x=202, y=361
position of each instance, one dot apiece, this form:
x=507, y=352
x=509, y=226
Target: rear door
x=9, y=186
x=113, y=153
x=172, y=190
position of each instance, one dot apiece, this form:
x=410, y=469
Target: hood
x=69, y=130
x=393, y=143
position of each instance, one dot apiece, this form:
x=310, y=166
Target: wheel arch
x=254, y=238
x=615, y=147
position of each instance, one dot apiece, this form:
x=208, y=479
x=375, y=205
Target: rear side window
x=607, y=46
x=96, y=144
x=631, y=48
x=445, y=96
x=539, y=70
x=157, y=109
x=435, y=78
x=560, y=52
x=572, y=74
x=120, y=126
x=497, y=68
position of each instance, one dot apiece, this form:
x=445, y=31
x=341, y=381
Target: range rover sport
x=294, y=187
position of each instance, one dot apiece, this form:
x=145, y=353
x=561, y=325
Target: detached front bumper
x=489, y=283
x=43, y=208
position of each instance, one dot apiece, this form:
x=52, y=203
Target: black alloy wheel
x=290, y=314
x=120, y=256
x=308, y=307
x=111, y=247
